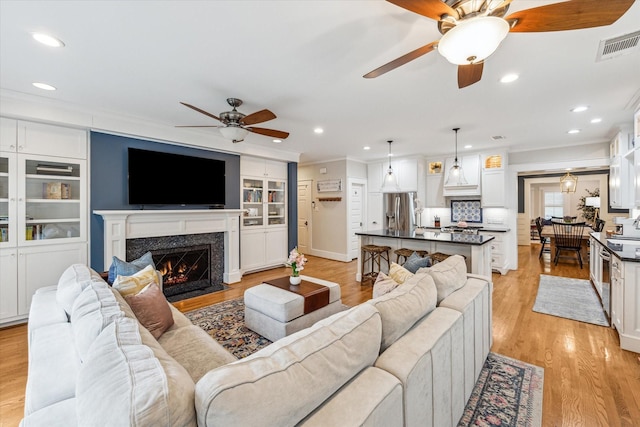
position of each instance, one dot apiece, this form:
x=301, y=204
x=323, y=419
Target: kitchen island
x=474, y=247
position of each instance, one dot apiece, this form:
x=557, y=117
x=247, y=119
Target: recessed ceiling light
x=43, y=86
x=318, y=130
x=572, y=131
x=579, y=109
x=508, y=78
x=468, y=146
x=596, y=120
x=277, y=141
x=48, y=40
x=366, y=148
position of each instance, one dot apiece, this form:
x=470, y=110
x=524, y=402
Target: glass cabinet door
x=50, y=200
x=7, y=200
x=276, y=206
x=252, y=202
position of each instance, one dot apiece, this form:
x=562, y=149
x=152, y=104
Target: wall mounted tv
x=157, y=178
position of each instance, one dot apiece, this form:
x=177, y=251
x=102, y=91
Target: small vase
x=295, y=280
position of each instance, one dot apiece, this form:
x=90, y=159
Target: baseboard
x=330, y=255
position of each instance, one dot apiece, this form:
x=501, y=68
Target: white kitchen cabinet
x=595, y=264
x=43, y=212
x=8, y=134
x=498, y=253
x=375, y=214
x=494, y=185
x=407, y=170
x=617, y=294
x=258, y=167
x=621, y=191
x=629, y=300
x=435, y=192
x=375, y=173
x=471, y=169
x=636, y=174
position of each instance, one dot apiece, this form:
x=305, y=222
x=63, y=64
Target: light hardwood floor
x=588, y=379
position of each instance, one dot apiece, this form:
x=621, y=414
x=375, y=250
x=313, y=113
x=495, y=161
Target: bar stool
x=439, y=257
x=375, y=254
x=406, y=253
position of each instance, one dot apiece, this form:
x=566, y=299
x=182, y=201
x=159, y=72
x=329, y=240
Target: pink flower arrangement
x=296, y=261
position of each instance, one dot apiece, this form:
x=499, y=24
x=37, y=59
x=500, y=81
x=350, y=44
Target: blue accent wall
x=108, y=181
x=292, y=213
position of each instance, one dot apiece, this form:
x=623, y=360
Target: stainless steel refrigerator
x=399, y=210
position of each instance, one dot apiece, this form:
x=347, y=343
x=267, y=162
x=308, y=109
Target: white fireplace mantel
x=120, y=225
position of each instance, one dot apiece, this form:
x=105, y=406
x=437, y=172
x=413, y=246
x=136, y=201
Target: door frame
x=308, y=182
x=350, y=182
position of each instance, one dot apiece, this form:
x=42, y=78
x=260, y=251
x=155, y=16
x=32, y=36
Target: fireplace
x=191, y=265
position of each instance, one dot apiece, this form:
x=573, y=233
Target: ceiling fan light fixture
x=473, y=40
x=234, y=133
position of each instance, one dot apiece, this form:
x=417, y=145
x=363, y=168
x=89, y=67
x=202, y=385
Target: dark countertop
x=496, y=229
x=624, y=252
x=432, y=236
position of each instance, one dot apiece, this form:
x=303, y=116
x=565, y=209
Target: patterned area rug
x=508, y=394
x=225, y=323
x=573, y=299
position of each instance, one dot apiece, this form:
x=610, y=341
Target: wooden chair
x=568, y=237
x=543, y=240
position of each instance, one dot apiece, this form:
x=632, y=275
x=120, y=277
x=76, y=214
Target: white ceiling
x=304, y=60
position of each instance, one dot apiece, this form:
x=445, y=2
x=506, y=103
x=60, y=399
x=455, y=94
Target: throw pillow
x=449, y=275
x=152, y=309
x=415, y=262
x=128, y=285
x=399, y=274
x=384, y=284
x=124, y=268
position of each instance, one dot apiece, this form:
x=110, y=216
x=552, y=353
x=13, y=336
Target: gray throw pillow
x=415, y=262
x=124, y=268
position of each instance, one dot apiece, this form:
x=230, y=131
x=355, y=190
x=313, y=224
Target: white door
x=356, y=217
x=304, y=215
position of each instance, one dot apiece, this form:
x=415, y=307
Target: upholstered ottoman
x=275, y=313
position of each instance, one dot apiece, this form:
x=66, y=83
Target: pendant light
x=390, y=180
x=568, y=183
x=456, y=175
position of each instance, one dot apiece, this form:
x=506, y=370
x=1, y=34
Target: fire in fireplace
x=183, y=269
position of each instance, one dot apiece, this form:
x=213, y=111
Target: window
x=553, y=204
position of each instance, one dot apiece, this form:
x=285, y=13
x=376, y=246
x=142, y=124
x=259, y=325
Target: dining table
x=547, y=231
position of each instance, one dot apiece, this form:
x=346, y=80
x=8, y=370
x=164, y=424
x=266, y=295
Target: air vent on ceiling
x=617, y=46
x=498, y=137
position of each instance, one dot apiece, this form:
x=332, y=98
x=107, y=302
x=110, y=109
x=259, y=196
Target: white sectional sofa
x=393, y=361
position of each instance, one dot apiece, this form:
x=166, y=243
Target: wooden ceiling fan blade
x=469, y=74
x=258, y=117
x=433, y=9
x=569, y=15
x=269, y=132
x=200, y=110
x=401, y=61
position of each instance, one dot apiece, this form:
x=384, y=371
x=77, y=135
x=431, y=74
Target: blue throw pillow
x=415, y=262
x=124, y=268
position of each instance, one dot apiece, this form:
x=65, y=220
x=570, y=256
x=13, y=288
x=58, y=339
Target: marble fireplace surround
x=120, y=225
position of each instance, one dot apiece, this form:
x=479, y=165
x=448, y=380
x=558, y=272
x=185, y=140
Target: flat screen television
x=158, y=178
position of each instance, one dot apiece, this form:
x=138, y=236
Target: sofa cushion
x=129, y=380
x=152, y=309
x=401, y=308
x=59, y=414
x=195, y=350
x=399, y=273
x=129, y=285
x=92, y=311
x=124, y=268
x=73, y=281
x=448, y=275
x=288, y=379
x=383, y=285
x=415, y=261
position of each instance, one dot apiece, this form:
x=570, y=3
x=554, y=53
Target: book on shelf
x=56, y=190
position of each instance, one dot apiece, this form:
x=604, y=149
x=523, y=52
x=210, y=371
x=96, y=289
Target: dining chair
x=543, y=240
x=599, y=225
x=568, y=237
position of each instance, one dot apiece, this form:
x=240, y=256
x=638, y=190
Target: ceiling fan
x=236, y=125
x=473, y=29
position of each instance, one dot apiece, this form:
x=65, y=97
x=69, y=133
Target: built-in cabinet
x=43, y=209
x=264, y=223
x=494, y=184
x=498, y=252
x=435, y=182
x=621, y=189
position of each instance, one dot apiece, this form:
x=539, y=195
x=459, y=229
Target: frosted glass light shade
x=234, y=133
x=456, y=175
x=390, y=182
x=473, y=40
